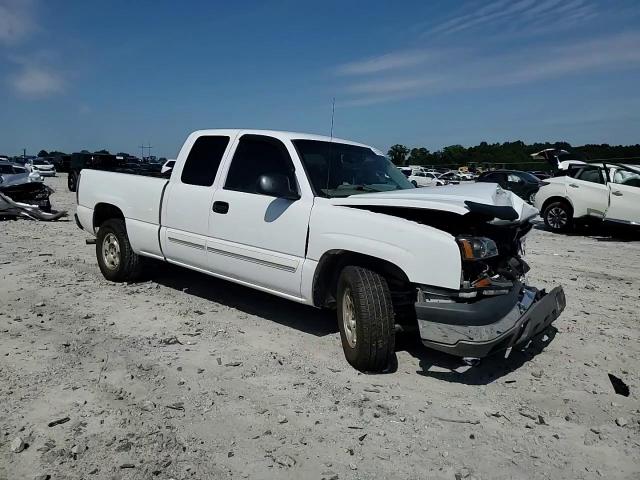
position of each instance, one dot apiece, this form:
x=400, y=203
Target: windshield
x=41, y=162
x=340, y=170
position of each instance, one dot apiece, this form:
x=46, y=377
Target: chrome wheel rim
x=557, y=217
x=111, y=251
x=349, y=318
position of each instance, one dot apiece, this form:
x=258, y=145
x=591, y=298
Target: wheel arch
x=325, y=278
x=556, y=198
x=105, y=211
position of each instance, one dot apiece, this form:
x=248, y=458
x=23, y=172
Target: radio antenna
x=333, y=111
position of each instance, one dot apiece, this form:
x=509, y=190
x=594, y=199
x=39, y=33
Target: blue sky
x=114, y=74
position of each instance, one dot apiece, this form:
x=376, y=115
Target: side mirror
x=276, y=185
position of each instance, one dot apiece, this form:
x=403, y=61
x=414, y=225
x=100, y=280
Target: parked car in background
x=608, y=192
x=521, y=183
x=332, y=224
x=451, y=177
x=167, y=166
x=419, y=178
x=42, y=166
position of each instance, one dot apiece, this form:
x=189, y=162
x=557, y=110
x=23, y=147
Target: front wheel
x=558, y=217
x=116, y=259
x=366, y=319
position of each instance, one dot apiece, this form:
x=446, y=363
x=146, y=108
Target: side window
x=513, y=178
x=495, y=177
x=258, y=155
x=593, y=175
x=203, y=160
x=627, y=177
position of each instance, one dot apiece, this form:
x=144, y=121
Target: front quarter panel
x=426, y=255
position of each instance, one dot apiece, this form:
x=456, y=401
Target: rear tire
x=72, y=181
x=366, y=319
x=117, y=260
x=558, y=217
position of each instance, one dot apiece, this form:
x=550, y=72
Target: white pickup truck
x=331, y=224
x=608, y=192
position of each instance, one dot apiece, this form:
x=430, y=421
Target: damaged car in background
x=331, y=224
x=21, y=197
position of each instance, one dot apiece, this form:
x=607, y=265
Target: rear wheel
x=558, y=217
x=116, y=259
x=366, y=319
x=72, y=181
x=415, y=184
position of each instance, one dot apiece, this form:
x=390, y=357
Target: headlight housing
x=477, y=248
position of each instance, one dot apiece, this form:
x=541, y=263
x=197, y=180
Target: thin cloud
x=382, y=63
x=16, y=20
x=36, y=78
x=476, y=69
x=519, y=15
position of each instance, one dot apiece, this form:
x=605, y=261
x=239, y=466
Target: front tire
x=366, y=319
x=558, y=217
x=116, y=259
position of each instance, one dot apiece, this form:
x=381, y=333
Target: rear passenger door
x=255, y=238
x=588, y=192
x=188, y=202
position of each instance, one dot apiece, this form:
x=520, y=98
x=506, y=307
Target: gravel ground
x=185, y=376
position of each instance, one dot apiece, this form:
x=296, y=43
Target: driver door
x=255, y=238
x=624, y=203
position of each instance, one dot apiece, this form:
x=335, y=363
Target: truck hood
x=461, y=199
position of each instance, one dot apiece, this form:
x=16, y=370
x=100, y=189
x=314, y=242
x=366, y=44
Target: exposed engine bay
x=497, y=268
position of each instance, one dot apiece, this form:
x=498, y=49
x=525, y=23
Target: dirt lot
x=185, y=376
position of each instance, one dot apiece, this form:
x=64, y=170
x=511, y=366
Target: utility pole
x=141, y=152
x=143, y=146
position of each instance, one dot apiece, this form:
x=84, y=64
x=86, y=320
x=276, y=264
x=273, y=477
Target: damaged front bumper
x=481, y=328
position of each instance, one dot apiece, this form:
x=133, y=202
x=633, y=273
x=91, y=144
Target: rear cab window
x=203, y=160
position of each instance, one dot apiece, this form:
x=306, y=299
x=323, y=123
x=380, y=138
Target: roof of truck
x=278, y=134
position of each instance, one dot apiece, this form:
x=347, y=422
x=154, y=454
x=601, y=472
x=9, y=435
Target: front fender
x=425, y=254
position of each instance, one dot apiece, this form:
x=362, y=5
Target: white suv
x=603, y=191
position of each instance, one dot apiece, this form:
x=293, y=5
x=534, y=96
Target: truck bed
x=137, y=196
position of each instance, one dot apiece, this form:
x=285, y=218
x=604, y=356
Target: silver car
x=12, y=173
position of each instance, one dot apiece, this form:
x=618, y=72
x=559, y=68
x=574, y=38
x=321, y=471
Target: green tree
x=419, y=156
x=42, y=153
x=398, y=154
x=103, y=151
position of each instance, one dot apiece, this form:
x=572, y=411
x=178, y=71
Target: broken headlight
x=477, y=248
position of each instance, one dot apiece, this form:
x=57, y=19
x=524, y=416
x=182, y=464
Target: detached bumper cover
x=490, y=325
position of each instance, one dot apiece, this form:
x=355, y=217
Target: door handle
x=617, y=193
x=574, y=185
x=220, y=207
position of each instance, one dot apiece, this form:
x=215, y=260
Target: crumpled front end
x=494, y=309
x=489, y=325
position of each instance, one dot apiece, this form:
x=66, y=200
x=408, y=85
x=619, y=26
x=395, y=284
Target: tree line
x=516, y=152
